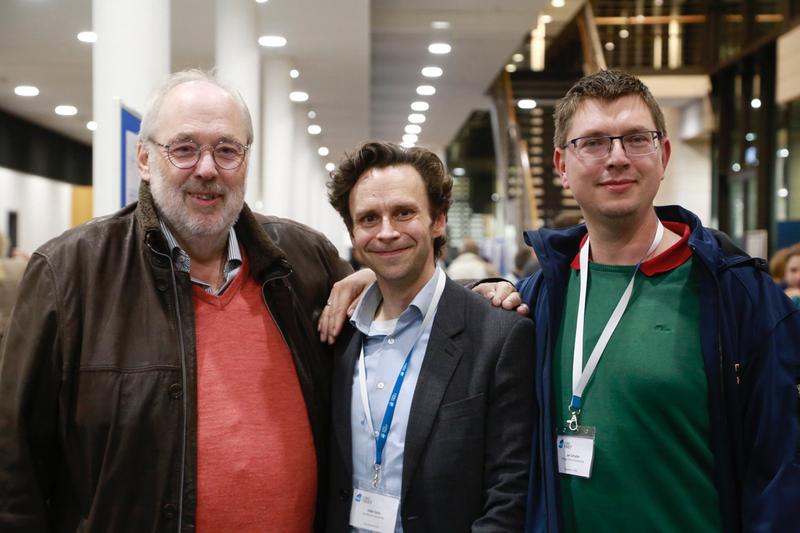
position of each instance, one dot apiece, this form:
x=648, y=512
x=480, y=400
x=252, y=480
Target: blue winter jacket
x=750, y=337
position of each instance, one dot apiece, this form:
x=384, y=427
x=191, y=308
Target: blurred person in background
x=469, y=264
x=785, y=269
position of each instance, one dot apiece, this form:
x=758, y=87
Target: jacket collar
x=266, y=259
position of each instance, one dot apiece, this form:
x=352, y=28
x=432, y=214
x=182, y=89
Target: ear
x=142, y=161
x=560, y=164
x=666, y=151
x=439, y=225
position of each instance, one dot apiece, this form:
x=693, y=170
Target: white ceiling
x=360, y=61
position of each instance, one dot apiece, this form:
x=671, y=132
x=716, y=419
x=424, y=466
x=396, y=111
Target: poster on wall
x=130, y=122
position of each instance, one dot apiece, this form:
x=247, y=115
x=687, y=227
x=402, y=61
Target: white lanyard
x=389, y=412
x=581, y=378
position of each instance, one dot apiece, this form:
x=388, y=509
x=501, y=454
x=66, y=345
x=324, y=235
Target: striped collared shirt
x=183, y=262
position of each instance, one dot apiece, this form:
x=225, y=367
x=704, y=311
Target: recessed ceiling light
x=416, y=118
x=314, y=129
x=783, y=193
x=407, y=145
x=609, y=46
x=783, y=153
x=420, y=106
x=755, y=103
x=413, y=128
x=312, y=114
x=66, y=110
x=294, y=73
x=440, y=25
x=432, y=72
x=439, y=48
x=546, y=19
x=323, y=151
x=261, y=1
x=87, y=37
x=526, y=103
x=272, y=41
x=518, y=57
x=426, y=90
x=624, y=34
x=458, y=171
x=557, y=3
x=26, y=90
x=298, y=96
x=410, y=138
x=91, y=125
x=511, y=67
x=330, y=167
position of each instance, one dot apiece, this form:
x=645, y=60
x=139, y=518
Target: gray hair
x=150, y=118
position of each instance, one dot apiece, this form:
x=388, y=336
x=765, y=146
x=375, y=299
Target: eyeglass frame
x=657, y=135
x=200, y=148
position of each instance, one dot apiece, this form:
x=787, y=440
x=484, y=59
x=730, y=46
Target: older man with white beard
x=161, y=371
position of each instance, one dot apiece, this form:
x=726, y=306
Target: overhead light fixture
x=736, y=167
x=261, y=1
x=783, y=192
x=272, y=41
x=518, y=58
x=609, y=46
x=312, y=114
x=323, y=151
x=66, y=110
x=624, y=34
x=420, y=106
x=426, y=90
x=330, y=167
x=783, y=153
x=298, y=96
x=294, y=73
x=87, y=37
x=458, y=171
x=557, y=3
x=416, y=118
x=432, y=72
x=511, y=67
x=545, y=19
x=526, y=103
x=755, y=103
x=407, y=145
x=415, y=129
x=440, y=25
x=410, y=138
x=439, y=48
x=91, y=125
x=26, y=90
x=314, y=129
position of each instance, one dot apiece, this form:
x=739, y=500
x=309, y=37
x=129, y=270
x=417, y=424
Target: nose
x=206, y=167
x=387, y=230
x=617, y=155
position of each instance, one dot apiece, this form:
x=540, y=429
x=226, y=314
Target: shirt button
x=391, y=340
x=376, y=434
x=381, y=385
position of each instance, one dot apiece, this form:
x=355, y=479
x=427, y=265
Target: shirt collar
x=183, y=262
x=366, y=308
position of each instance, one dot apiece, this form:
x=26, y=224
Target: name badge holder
x=575, y=443
x=371, y=509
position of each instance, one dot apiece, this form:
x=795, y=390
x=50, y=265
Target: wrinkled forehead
x=202, y=110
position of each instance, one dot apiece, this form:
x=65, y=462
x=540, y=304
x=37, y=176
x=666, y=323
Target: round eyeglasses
x=636, y=144
x=228, y=155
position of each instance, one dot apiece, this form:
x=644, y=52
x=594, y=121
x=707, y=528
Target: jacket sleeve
x=30, y=376
x=509, y=420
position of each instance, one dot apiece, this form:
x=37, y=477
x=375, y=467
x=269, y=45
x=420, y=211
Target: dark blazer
x=468, y=441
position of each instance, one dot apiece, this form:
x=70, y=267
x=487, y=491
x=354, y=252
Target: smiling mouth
x=389, y=253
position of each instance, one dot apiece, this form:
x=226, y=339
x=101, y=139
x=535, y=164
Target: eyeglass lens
x=186, y=154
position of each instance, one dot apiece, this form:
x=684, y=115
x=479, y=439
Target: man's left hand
x=502, y=294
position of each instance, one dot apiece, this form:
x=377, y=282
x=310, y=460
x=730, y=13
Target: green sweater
x=648, y=400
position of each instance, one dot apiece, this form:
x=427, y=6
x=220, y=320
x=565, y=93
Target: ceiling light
x=639, y=18
x=526, y=103
x=545, y=19
x=323, y=151
x=511, y=67
x=609, y=46
x=518, y=58
x=659, y=3
x=557, y=3
x=426, y=90
x=440, y=25
x=407, y=145
x=416, y=129
x=755, y=103
x=312, y=114
x=624, y=34
x=749, y=136
x=783, y=192
x=26, y=90
x=66, y=110
x=87, y=37
x=261, y=1
x=783, y=153
x=458, y=171
x=294, y=73
x=298, y=96
x=410, y=138
x=420, y=106
x=330, y=167
x=314, y=129
x=432, y=72
x=91, y=125
x=272, y=41
x=439, y=48
x=416, y=118
x=736, y=167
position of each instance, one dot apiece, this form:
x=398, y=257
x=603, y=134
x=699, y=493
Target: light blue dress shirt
x=386, y=345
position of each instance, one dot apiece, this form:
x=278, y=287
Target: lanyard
x=581, y=378
x=381, y=436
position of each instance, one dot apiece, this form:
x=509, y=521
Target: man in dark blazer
x=432, y=392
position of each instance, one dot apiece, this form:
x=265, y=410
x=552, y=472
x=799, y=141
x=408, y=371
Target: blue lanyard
x=388, y=415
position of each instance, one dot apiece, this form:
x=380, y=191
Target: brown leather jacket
x=98, y=391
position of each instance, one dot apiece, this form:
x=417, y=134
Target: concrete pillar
x=130, y=57
x=238, y=62
x=278, y=132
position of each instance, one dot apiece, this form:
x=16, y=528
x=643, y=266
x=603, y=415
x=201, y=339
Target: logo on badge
x=560, y=443
x=358, y=497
